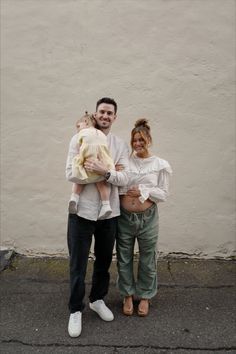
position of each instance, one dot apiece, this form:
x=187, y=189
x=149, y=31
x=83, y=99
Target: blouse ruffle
x=152, y=188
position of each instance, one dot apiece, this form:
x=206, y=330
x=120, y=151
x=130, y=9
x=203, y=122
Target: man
x=84, y=225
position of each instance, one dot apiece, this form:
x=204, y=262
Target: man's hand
x=96, y=166
x=119, y=167
x=133, y=191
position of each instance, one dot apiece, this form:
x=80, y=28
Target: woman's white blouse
x=151, y=175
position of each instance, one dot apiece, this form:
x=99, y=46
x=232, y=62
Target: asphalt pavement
x=193, y=312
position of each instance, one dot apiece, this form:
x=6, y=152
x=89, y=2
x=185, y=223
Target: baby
x=92, y=144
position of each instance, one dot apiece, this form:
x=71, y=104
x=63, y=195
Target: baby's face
x=81, y=125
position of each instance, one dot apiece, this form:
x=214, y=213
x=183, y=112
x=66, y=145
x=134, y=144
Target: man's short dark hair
x=107, y=100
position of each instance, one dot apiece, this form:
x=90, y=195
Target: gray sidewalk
x=193, y=312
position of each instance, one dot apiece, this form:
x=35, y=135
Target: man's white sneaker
x=102, y=310
x=75, y=324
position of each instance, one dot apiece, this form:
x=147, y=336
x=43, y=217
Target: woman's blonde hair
x=142, y=127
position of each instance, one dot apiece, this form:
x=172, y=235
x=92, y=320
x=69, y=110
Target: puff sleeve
x=160, y=192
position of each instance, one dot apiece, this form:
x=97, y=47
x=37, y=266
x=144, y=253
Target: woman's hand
x=133, y=191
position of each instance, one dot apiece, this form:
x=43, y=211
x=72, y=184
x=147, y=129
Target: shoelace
x=75, y=316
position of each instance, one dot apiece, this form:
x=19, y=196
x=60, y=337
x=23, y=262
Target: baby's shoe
x=105, y=210
x=73, y=204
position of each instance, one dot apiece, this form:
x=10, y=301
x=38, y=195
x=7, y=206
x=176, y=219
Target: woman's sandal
x=128, y=307
x=143, y=307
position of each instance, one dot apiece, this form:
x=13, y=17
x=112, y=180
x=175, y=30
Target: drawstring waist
x=139, y=218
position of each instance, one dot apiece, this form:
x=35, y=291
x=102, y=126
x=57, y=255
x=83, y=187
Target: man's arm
x=118, y=178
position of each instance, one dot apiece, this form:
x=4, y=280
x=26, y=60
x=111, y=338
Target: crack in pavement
x=116, y=347
x=163, y=285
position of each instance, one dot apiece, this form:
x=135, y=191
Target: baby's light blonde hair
x=88, y=118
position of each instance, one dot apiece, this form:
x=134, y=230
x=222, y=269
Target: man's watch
x=107, y=175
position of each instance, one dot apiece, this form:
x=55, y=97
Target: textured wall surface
x=170, y=61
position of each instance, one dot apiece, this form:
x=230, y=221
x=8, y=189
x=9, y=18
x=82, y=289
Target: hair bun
x=143, y=122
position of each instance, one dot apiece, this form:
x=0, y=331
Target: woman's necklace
x=138, y=164
x=138, y=161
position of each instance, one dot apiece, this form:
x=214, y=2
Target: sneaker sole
x=73, y=335
x=103, y=318
x=104, y=216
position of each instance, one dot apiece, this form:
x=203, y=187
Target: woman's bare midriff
x=133, y=204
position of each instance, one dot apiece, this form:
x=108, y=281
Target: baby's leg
x=104, y=190
x=74, y=199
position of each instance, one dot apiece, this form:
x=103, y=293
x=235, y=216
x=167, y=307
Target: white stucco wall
x=170, y=61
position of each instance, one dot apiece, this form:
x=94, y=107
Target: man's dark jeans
x=79, y=238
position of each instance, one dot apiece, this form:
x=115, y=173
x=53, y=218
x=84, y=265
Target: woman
x=148, y=185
